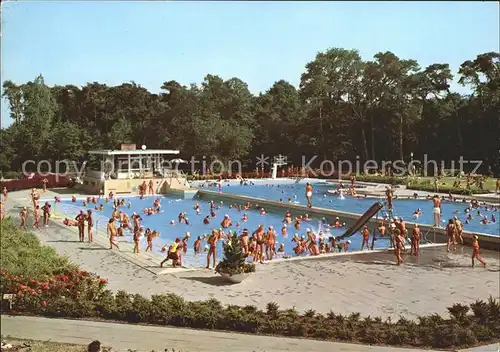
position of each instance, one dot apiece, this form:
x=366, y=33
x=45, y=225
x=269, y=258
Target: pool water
x=171, y=207
x=401, y=208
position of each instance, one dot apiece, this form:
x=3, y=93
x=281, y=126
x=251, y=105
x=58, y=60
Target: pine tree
x=234, y=258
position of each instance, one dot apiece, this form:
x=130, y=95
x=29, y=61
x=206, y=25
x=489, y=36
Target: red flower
x=44, y=303
x=39, y=291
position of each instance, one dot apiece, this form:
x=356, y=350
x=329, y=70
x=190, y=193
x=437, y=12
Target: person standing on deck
x=90, y=225
x=388, y=194
x=309, y=193
x=437, y=210
x=366, y=237
x=475, y=251
x=415, y=240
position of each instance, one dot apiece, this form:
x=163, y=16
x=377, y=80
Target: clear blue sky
x=260, y=42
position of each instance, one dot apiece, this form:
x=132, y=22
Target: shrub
x=459, y=312
x=234, y=260
x=442, y=189
x=12, y=175
x=392, y=180
x=480, y=310
x=22, y=254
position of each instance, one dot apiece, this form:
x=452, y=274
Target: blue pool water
x=403, y=208
x=171, y=207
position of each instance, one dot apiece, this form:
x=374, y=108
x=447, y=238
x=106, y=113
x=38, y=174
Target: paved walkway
x=146, y=338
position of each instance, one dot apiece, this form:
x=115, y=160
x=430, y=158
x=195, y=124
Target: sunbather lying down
x=70, y=222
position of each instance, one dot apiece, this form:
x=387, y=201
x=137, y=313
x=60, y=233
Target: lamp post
x=411, y=156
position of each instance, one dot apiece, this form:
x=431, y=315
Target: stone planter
x=235, y=279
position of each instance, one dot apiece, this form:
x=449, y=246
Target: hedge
x=79, y=294
x=392, y=180
x=441, y=189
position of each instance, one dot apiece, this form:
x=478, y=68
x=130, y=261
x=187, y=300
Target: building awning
x=134, y=152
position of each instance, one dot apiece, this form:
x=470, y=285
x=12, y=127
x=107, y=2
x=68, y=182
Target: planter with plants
x=233, y=266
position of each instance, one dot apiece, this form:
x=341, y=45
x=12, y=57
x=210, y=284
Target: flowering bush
x=79, y=294
x=49, y=295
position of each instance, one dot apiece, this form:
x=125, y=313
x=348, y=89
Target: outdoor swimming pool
x=171, y=207
x=403, y=208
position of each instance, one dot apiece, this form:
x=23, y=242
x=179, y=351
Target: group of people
x=258, y=245
x=43, y=211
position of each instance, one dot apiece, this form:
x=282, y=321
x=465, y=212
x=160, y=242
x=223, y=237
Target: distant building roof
x=133, y=152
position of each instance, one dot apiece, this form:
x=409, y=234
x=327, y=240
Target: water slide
x=363, y=220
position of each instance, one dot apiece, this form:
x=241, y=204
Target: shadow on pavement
x=210, y=280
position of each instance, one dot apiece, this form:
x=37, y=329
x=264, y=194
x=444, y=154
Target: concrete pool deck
x=368, y=283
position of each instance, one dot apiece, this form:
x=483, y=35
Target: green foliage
x=12, y=175
x=382, y=179
x=234, y=259
x=378, y=109
x=22, y=254
x=442, y=189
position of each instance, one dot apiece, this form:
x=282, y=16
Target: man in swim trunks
x=451, y=231
x=475, y=251
x=44, y=185
x=212, y=251
x=309, y=193
x=270, y=243
x=437, y=210
x=23, y=214
x=460, y=227
x=415, y=240
x=366, y=237
x=80, y=218
x=388, y=194
x=259, y=235
x=90, y=225
x=46, y=214
x=398, y=246
x=112, y=232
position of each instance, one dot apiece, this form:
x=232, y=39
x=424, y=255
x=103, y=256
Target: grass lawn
x=22, y=345
x=489, y=184
x=19, y=345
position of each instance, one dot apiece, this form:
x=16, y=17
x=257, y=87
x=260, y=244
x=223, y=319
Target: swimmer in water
x=417, y=213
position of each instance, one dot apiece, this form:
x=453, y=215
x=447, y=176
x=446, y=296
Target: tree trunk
x=372, y=133
x=365, y=144
x=322, y=139
x=401, y=154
